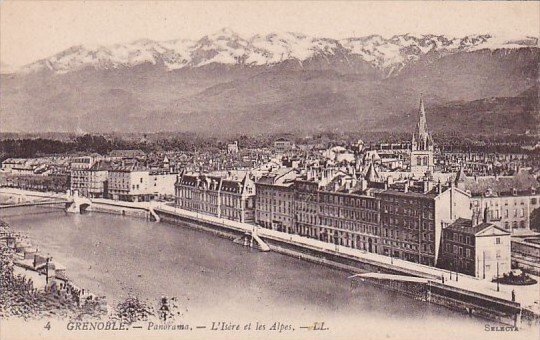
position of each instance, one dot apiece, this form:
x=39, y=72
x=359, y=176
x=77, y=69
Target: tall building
x=274, y=205
x=81, y=174
x=412, y=222
x=422, y=146
x=349, y=218
x=97, y=175
x=237, y=199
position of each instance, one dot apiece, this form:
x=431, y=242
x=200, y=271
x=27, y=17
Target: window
x=498, y=240
x=467, y=253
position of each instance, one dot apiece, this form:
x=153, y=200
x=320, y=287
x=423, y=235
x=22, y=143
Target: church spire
x=421, y=128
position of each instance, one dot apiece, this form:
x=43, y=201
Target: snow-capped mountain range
x=229, y=48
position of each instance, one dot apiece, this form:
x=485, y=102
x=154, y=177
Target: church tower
x=422, y=146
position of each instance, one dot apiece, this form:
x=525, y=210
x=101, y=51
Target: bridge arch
x=83, y=207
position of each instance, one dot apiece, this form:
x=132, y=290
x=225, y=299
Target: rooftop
x=465, y=226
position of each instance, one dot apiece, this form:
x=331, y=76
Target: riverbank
x=30, y=290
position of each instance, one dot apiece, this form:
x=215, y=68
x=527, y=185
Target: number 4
x=48, y=326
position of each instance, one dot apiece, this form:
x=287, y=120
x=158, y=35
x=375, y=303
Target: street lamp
x=497, y=274
x=47, y=271
x=484, y=264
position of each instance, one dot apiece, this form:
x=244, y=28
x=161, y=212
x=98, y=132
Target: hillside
x=317, y=85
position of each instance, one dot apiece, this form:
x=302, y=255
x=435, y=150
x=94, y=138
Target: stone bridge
x=71, y=200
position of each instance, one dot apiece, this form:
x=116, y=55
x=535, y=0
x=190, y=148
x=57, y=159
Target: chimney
x=364, y=184
x=427, y=185
x=487, y=217
x=474, y=218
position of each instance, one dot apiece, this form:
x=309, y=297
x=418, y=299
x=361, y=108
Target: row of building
x=99, y=178
x=410, y=220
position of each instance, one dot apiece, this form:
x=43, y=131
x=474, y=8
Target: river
x=215, y=279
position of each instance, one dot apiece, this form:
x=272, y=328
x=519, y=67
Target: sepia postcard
x=269, y=170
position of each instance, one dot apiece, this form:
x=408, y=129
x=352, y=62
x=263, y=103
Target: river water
x=215, y=279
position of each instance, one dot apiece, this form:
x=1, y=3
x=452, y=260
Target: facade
x=97, y=176
x=421, y=146
x=482, y=250
x=228, y=198
x=509, y=211
x=509, y=199
x=306, y=207
x=349, y=219
x=129, y=184
x=412, y=222
x=80, y=174
x=199, y=193
x=274, y=204
x=161, y=183
x=237, y=199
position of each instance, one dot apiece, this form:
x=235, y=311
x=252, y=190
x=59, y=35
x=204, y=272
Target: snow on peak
x=227, y=47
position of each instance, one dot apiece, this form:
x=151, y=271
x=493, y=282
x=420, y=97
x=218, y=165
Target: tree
x=535, y=219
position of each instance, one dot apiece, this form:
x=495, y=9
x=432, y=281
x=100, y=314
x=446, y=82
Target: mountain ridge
x=326, y=91
x=388, y=55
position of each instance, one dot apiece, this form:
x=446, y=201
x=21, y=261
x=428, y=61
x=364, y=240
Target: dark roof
x=127, y=168
x=101, y=166
x=190, y=180
x=501, y=184
x=233, y=186
x=465, y=226
x=411, y=194
x=371, y=174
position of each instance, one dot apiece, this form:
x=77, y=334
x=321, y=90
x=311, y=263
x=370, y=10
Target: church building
x=422, y=146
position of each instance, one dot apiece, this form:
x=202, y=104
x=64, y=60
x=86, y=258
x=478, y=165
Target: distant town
x=473, y=212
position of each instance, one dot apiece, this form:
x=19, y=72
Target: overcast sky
x=32, y=30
